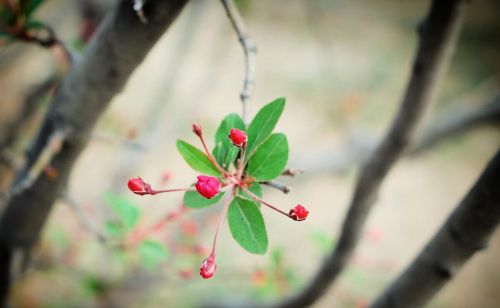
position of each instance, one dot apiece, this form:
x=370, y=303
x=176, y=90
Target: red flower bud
x=197, y=129
x=238, y=137
x=208, y=267
x=207, y=186
x=298, y=213
x=139, y=187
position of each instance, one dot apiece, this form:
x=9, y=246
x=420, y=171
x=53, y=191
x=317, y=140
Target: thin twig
x=118, y=140
x=291, y=172
x=465, y=232
x=250, y=51
x=84, y=220
x=278, y=185
x=438, y=34
x=489, y=113
x=52, y=148
x=139, y=10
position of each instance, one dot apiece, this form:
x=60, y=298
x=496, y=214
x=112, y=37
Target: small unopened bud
x=207, y=186
x=197, y=130
x=298, y=213
x=208, y=267
x=139, y=187
x=238, y=137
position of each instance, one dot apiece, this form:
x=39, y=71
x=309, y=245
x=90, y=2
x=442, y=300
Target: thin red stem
x=263, y=202
x=211, y=158
x=242, y=161
x=222, y=217
x=139, y=235
x=154, y=192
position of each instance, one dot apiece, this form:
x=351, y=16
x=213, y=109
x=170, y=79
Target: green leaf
x=247, y=225
x=224, y=151
x=152, y=253
x=192, y=199
x=126, y=211
x=33, y=5
x=270, y=159
x=114, y=229
x=263, y=124
x=35, y=25
x=196, y=159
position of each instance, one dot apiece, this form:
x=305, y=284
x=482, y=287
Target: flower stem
x=256, y=198
x=154, y=192
x=211, y=158
x=222, y=217
x=241, y=161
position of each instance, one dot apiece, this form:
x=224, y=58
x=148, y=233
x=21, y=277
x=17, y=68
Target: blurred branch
x=453, y=123
x=110, y=58
x=291, y=172
x=489, y=113
x=85, y=222
x=51, y=149
x=464, y=233
x=118, y=140
x=138, y=8
x=250, y=51
x=278, y=185
x=437, y=34
x=28, y=109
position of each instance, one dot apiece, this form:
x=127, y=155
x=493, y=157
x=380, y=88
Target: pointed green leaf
x=270, y=159
x=192, y=199
x=152, y=253
x=247, y=225
x=126, y=211
x=263, y=124
x=196, y=159
x=225, y=152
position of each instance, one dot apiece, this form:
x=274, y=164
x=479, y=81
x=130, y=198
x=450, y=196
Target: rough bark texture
x=466, y=231
x=437, y=34
x=120, y=45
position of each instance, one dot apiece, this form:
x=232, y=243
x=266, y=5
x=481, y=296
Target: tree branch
x=278, y=185
x=437, y=35
x=464, y=233
x=120, y=45
x=489, y=113
x=250, y=51
x=85, y=222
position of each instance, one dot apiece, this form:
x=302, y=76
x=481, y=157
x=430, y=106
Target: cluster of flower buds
x=209, y=187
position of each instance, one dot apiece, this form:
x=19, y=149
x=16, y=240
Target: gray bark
x=120, y=45
x=438, y=34
x=465, y=232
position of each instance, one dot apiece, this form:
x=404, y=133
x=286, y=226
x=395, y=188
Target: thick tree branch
x=465, y=232
x=120, y=45
x=250, y=51
x=438, y=34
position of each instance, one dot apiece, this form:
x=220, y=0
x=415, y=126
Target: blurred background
x=343, y=67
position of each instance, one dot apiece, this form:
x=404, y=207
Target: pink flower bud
x=298, y=213
x=208, y=267
x=139, y=187
x=207, y=186
x=197, y=129
x=238, y=137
